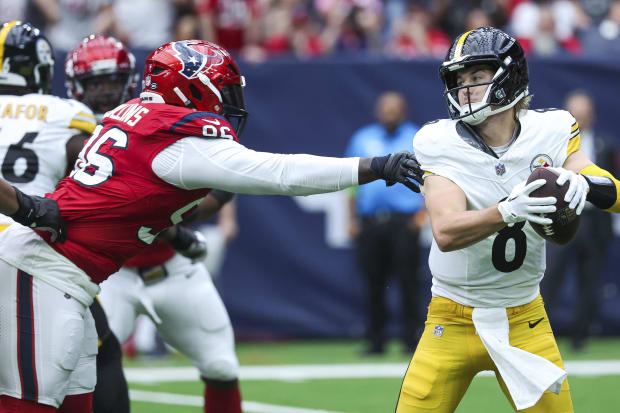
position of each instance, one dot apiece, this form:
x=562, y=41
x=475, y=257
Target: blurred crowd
x=260, y=29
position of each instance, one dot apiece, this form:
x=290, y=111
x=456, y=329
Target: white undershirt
x=192, y=163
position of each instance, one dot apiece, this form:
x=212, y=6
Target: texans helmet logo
x=192, y=60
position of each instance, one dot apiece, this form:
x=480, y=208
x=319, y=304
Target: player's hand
x=520, y=206
x=400, y=167
x=40, y=213
x=190, y=244
x=577, y=188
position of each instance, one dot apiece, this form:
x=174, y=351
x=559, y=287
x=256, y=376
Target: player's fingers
x=572, y=190
x=539, y=220
x=411, y=186
x=564, y=175
x=541, y=209
x=574, y=202
x=582, y=204
x=548, y=200
x=534, y=185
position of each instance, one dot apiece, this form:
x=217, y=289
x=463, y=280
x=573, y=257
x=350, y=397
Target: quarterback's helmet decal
x=541, y=161
x=192, y=60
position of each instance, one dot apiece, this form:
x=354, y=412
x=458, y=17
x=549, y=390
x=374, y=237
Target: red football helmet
x=198, y=75
x=101, y=73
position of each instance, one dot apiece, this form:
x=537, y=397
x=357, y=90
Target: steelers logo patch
x=541, y=161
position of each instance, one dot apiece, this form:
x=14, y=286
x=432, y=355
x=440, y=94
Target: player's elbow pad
x=604, y=188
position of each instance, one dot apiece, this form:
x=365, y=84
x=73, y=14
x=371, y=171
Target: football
x=565, y=220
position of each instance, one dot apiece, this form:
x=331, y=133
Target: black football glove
x=398, y=167
x=40, y=213
x=190, y=244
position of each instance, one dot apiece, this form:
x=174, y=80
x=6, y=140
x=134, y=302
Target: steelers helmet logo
x=541, y=161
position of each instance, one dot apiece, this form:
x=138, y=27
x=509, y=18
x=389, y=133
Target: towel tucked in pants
x=450, y=354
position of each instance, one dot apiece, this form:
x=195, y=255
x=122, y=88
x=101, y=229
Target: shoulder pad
x=69, y=113
x=205, y=124
x=82, y=117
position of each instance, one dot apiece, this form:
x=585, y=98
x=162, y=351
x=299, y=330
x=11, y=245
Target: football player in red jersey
x=144, y=169
x=99, y=73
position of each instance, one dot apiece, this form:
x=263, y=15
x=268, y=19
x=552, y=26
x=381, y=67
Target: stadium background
x=291, y=273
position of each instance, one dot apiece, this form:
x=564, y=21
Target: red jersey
x=113, y=203
x=156, y=254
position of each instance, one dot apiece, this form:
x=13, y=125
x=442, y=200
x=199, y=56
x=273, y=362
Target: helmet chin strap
x=479, y=117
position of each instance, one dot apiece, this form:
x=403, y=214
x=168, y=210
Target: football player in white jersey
x=486, y=260
x=40, y=138
x=99, y=72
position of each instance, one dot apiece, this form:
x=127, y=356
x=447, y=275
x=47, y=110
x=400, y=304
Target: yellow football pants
x=450, y=354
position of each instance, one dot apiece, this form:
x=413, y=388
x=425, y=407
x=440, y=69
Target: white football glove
x=519, y=206
x=577, y=188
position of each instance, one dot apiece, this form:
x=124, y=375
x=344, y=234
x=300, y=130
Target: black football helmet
x=485, y=46
x=26, y=57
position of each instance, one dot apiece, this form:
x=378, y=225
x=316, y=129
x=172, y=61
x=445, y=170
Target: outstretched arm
x=193, y=163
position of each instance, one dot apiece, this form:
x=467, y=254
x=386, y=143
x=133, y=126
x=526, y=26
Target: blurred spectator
x=233, y=24
x=144, y=23
x=451, y=15
x=68, y=21
x=587, y=252
x=546, y=27
x=362, y=28
x=185, y=21
x=385, y=222
x=477, y=18
x=604, y=38
x=415, y=36
x=13, y=10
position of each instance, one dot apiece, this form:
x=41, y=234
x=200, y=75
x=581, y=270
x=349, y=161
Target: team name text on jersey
x=10, y=111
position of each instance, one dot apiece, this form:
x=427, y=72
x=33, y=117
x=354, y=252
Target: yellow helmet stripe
x=3, y=34
x=459, y=44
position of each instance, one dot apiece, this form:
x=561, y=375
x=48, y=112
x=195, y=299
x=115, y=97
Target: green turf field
x=298, y=377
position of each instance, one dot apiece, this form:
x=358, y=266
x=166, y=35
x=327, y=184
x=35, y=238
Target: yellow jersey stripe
x=3, y=34
x=573, y=145
x=3, y=227
x=574, y=127
x=459, y=44
x=83, y=125
x=85, y=115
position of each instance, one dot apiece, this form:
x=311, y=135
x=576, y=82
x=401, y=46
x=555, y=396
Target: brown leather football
x=565, y=220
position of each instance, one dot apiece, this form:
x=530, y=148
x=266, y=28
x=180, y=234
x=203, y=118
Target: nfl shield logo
x=500, y=169
x=438, y=331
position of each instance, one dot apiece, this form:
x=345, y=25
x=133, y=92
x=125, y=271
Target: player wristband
x=602, y=192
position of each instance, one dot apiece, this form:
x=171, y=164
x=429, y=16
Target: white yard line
x=335, y=371
x=198, y=401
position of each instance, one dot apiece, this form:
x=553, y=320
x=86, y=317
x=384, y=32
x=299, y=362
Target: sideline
x=336, y=371
x=198, y=401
